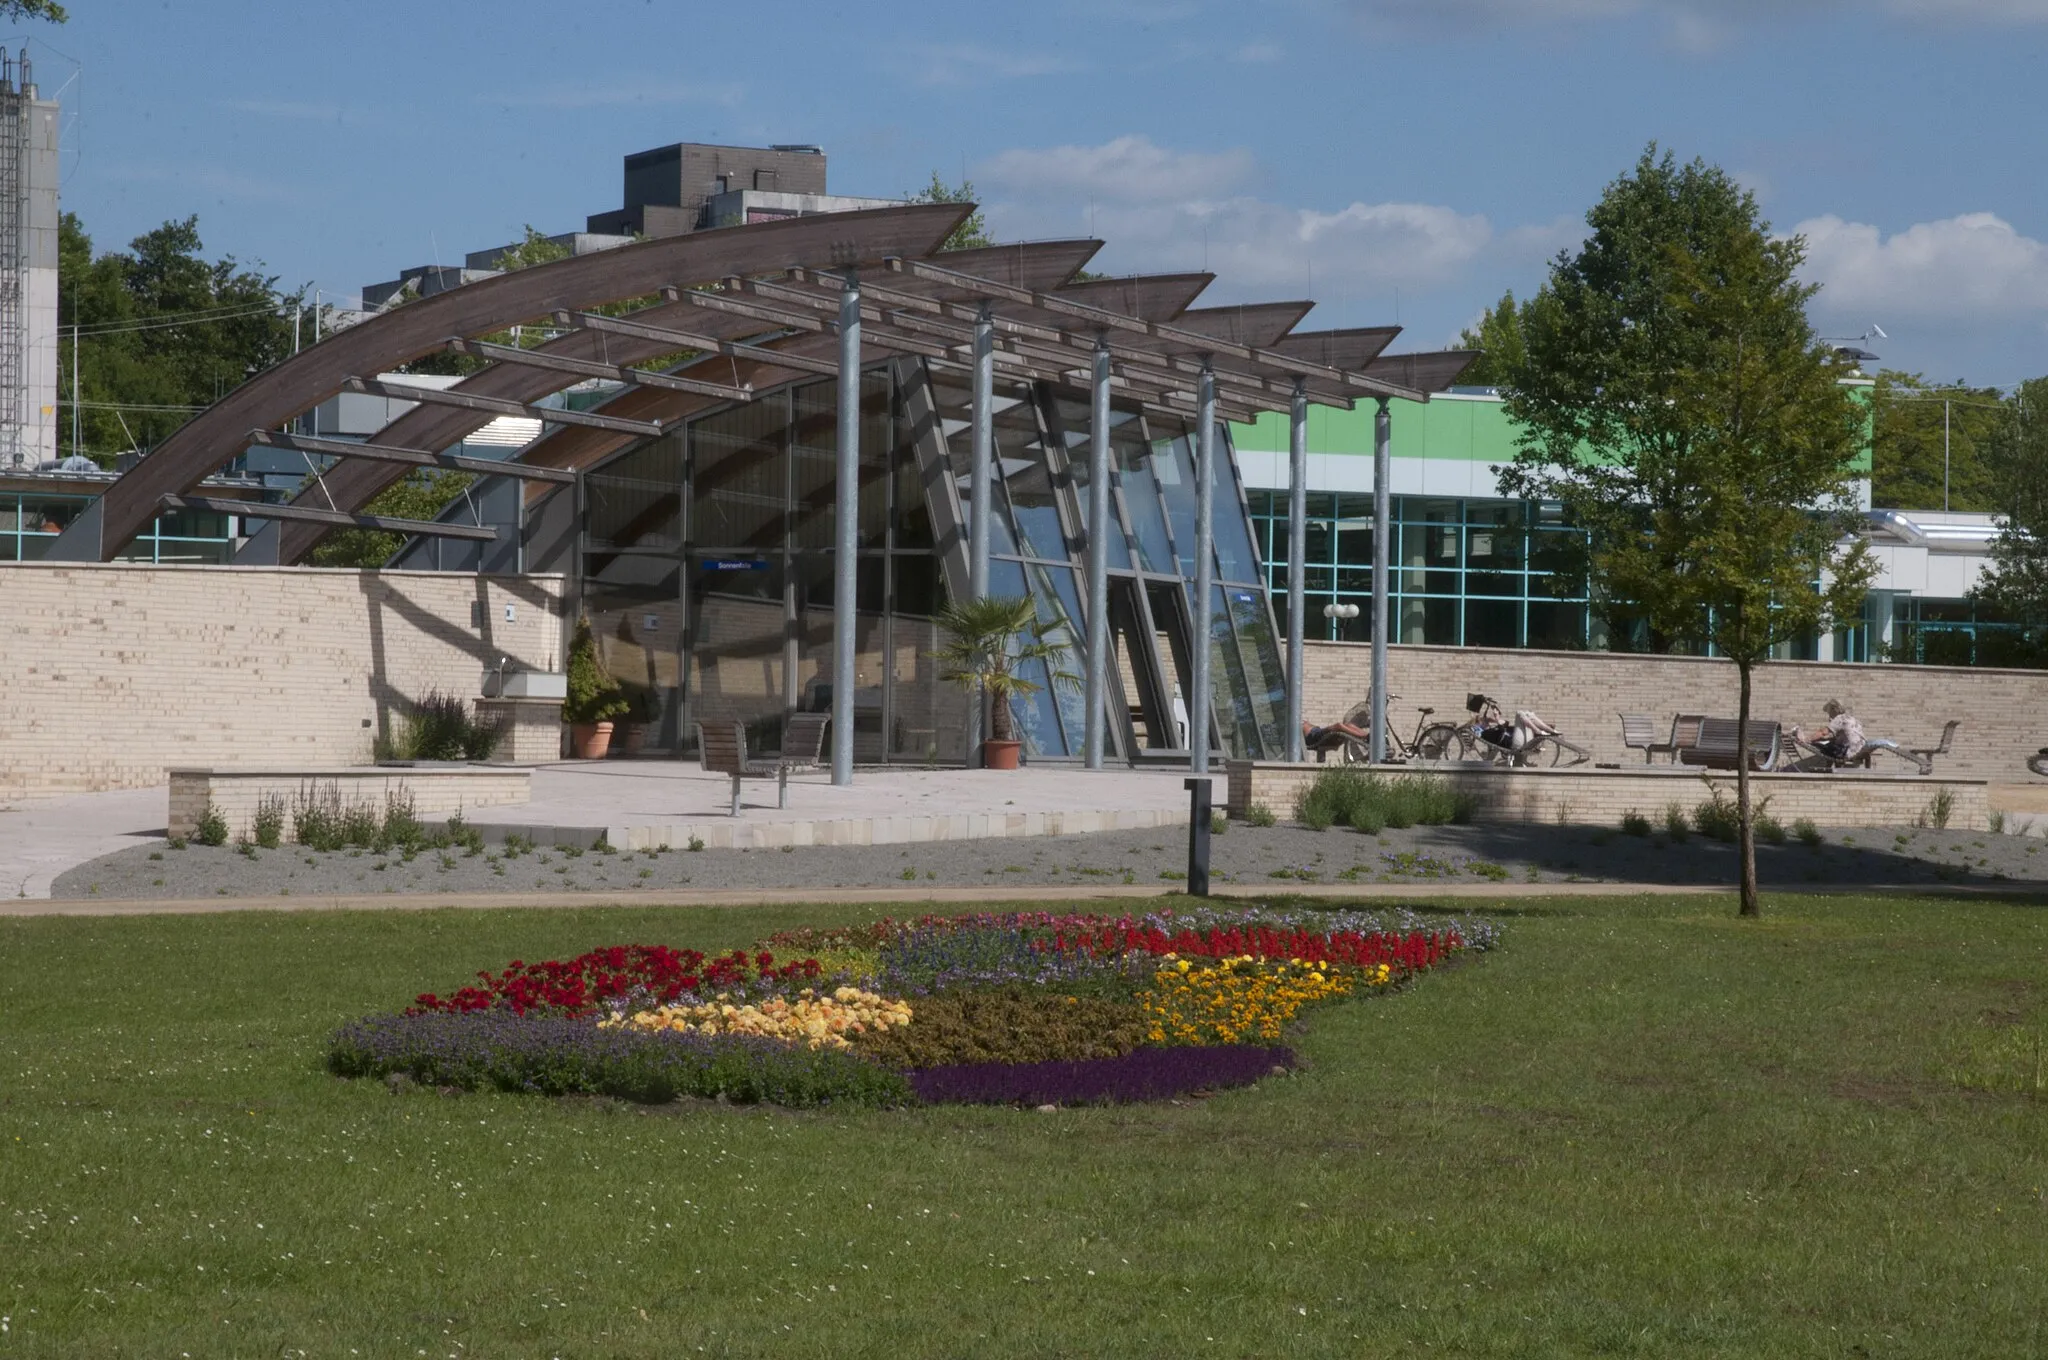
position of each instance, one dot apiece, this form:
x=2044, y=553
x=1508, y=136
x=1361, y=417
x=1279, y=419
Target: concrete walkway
x=651, y=804
x=646, y=804
x=41, y=838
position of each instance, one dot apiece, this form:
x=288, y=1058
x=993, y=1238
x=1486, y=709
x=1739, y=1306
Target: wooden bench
x=1639, y=733
x=1715, y=747
x=722, y=747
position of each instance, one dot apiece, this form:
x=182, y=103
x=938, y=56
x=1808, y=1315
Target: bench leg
x=735, y=795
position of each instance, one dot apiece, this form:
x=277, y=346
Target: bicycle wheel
x=2038, y=764
x=1442, y=741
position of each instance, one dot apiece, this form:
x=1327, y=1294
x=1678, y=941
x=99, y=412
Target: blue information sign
x=735, y=564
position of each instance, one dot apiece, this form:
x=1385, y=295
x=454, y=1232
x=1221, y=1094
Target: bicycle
x=1432, y=741
x=1468, y=741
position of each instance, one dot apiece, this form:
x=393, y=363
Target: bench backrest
x=1638, y=730
x=1685, y=730
x=1716, y=744
x=803, y=738
x=722, y=746
x=1948, y=736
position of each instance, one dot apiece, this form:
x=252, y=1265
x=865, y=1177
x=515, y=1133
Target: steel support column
x=1096, y=686
x=1205, y=575
x=1297, y=549
x=1382, y=533
x=979, y=494
x=846, y=523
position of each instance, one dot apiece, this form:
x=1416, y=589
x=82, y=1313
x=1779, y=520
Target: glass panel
x=636, y=499
x=1135, y=461
x=1259, y=653
x=953, y=399
x=1235, y=560
x=739, y=475
x=1229, y=694
x=928, y=714
x=1060, y=606
x=1075, y=424
x=1021, y=458
x=814, y=667
x=814, y=466
x=1037, y=714
x=1557, y=625
x=1493, y=623
x=1173, y=464
x=1434, y=622
x=736, y=664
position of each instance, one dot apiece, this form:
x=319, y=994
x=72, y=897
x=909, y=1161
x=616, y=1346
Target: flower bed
x=1013, y=1008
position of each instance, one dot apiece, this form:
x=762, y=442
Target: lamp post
x=1335, y=612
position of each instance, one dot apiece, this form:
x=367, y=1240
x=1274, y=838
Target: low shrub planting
x=1029, y=1007
x=439, y=726
x=211, y=828
x=1369, y=802
x=1635, y=823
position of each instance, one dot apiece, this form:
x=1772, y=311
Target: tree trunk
x=1000, y=727
x=1745, y=834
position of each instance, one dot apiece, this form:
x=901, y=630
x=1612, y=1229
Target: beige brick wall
x=2004, y=712
x=1588, y=797
x=111, y=674
x=437, y=794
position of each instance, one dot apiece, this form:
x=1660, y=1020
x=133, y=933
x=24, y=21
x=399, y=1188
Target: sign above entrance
x=735, y=564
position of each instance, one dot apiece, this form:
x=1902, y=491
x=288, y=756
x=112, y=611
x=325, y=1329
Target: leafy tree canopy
x=971, y=234
x=2016, y=455
x=34, y=9
x=1908, y=468
x=163, y=332
x=1499, y=334
x=1673, y=396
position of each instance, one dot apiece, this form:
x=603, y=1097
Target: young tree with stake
x=1675, y=400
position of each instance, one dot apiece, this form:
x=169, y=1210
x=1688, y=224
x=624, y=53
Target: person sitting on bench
x=1842, y=739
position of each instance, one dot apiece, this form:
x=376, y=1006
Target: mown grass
x=1642, y=1128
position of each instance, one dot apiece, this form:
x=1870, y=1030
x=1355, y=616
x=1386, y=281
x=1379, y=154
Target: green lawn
x=1643, y=1127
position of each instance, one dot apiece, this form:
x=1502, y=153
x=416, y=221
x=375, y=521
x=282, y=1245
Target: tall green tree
x=162, y=332
x=1930, y=444
x=2017, y=582
x=1499, y=334
x=34, y=9
x=971, y=234
x=1675, y=399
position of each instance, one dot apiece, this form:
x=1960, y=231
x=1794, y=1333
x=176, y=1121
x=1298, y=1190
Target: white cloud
x=1161, y=209
x=286, y=108
x=614, y=94
x=973, y=63
x=1975, y=266
x=1259, y=53
x=1127, y=169
x=1698, y=25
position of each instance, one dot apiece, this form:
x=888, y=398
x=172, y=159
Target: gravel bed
x=1276, y=855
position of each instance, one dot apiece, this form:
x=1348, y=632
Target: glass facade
x=1461, y=573
x=709, y=573
x=30, y=522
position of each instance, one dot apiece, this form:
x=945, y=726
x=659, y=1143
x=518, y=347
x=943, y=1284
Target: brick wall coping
x=1604, y=657
x=1476, y=770
x=426, y=769
x=213, y=569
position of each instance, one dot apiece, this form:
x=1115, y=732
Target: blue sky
x=1387, y=165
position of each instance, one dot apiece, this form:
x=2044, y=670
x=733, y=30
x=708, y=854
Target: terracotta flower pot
x=630, y=738
x=1000, y=755
x=589, y=741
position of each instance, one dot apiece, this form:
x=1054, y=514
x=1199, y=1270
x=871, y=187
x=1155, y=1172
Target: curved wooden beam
x=284, y=391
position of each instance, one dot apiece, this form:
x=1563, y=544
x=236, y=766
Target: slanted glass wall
x=709, y=572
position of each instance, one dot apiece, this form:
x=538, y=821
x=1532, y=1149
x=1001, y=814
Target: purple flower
x=1143, y=1074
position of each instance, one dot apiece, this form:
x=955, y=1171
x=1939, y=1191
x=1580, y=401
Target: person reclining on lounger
x=1331, y=737
x=1841, y=740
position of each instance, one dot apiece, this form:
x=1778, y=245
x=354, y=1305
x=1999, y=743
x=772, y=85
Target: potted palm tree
x=595, y=698
x=987, y=641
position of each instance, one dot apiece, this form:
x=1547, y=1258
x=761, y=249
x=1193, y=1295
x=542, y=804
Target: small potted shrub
x=643, y=707
x=988, y=640
x=595, y=698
